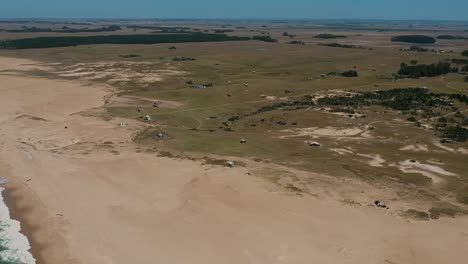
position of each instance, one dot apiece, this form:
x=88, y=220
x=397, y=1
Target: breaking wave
x=14, y=246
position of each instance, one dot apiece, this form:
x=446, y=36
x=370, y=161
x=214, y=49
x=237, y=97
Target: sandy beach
x=85, y=194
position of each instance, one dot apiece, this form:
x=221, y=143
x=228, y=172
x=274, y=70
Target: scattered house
x=123, y=124
x=312, y=143
x=139, y=110
x=263, y=96
x=229, y=82
x=147, y=118
x=161, y=135
x=200, y=86
x=243, y=141
x=380, y=204
x=230, y=164
x=374, y=69
x=246, y=84
x=254, y=72
x=156, y=104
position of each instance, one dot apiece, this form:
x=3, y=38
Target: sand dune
x=88, y=201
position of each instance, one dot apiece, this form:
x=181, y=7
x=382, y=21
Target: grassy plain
x=248, y=75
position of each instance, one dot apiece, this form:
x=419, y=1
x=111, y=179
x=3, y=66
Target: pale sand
x=103, y=208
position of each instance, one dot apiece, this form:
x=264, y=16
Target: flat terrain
x=74, y=140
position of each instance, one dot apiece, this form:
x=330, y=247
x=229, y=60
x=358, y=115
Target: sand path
x=91, y=202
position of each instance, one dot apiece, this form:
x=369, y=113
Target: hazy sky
x=366, y=9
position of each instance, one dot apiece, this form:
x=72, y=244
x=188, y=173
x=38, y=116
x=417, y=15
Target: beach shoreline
x=79, y=186
x=11, y=196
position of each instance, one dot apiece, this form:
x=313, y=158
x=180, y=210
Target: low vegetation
x=129, y=56
x=183, y=59
x=338, y=45
x=460, y=61
x=451, y=37
x=418, y=49
x=350, y=73
x=465, y=53
x=421, y=39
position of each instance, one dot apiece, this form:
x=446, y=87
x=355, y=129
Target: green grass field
x=249, y=75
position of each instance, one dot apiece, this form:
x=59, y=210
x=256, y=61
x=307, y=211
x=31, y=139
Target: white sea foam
x=14, y=245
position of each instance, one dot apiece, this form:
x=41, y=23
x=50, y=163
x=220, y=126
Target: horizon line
x=235, y=19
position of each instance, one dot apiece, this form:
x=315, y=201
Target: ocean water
x=14, y=246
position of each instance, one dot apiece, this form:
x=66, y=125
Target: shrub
x=456, y=133
x=418, y=49
x=350, y=73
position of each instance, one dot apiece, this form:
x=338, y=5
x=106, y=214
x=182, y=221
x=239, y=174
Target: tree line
x=54, y=42
x=65, y=29
x=420, y=39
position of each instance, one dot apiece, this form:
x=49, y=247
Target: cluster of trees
x=464, y=68
x=424, y=70
x=421, y=39
x=53, y=42
x=465, y=79
x=350, y=73
x=265, y=39
x=65, y=29
x=296, y=42
x=338, y=45
x=329, y=36
x=465, y=53
x=298, y=104
x=286, y=34
x=451, y=37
